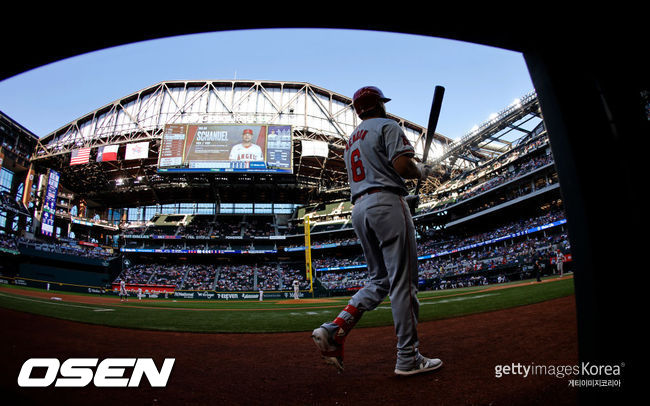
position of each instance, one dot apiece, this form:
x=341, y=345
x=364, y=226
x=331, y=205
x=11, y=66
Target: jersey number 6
x=358, y=173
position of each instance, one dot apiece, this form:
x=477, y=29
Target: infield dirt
x=285, y=368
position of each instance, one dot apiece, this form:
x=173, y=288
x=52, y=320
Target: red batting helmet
x=367, y=98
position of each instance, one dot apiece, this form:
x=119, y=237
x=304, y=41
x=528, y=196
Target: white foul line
x=455, y=299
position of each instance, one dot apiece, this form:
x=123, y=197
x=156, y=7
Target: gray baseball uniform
x=371, y=149
x=383, y=223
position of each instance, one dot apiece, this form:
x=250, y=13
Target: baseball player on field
x=559, y=262
x=246, y=150
x=378, y=158
x=296, y=289
x=123, y=295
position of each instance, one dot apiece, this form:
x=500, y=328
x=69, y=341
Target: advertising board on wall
x=49, y=205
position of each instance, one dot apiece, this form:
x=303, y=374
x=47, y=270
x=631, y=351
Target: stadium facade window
x=282, y=211
x=150, y=211
x=6, y=177
x=144, y=213
x=187, y=208
x=243, y=208
x=169, y=209
x=226, y=208
x=134, y=214
x=205, y=208
x=251, y=208
x=284, y=208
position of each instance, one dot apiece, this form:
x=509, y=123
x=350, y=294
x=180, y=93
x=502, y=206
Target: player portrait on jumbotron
x=246, y=150
x=220, y=146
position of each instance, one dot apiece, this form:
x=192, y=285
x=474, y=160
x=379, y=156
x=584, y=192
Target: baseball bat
x=436, y=105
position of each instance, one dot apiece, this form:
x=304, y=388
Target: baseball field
x=269, y=316
x=261, y=353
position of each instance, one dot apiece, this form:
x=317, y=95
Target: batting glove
x=424, y=170
x=413, y=201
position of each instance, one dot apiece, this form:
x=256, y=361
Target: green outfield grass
x=277, y=315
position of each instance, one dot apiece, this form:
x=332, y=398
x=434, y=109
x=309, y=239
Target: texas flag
x=107, y=153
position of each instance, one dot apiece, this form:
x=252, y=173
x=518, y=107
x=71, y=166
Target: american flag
x=80, y=156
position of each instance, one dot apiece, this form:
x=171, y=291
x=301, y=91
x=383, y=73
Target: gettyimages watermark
x=581, y=375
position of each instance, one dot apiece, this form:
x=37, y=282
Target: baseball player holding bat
x=378, y=158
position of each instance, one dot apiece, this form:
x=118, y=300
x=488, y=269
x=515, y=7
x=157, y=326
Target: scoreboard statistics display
x=226, y=148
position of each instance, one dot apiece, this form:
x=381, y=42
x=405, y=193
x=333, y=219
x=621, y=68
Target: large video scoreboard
x=226, y=148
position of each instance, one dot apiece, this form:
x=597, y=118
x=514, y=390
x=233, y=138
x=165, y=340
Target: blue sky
x=479, y=80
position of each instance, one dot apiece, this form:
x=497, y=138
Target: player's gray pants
x=383, y=223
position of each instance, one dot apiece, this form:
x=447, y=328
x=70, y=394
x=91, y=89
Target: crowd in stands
x=480, y=181
x=242, y=277
x=289, y=274
x=481, y=259
x=277, y=277
x=353, y=278
x=65, y=248
x=206, y=226
x=431, y=239
x=466, y=282
x=169, y=275
x=491, y=257
x=269, y=277
x=458, y=261
x=8, y=242
x=228, y=226
x=161, y=230
x=235, y=278
x=199, y=226
x=199, y=277
x=259, y=227
x=137, y=274
x=333, y=240
x=335, y=262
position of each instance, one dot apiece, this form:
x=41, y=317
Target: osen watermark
x=81, y=372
